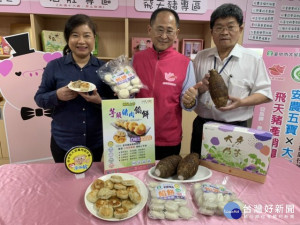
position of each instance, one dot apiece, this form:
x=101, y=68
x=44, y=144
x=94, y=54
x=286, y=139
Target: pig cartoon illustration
x=27, y=126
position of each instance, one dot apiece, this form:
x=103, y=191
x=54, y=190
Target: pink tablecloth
x=44, y=194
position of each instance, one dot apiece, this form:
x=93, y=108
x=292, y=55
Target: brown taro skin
x=188, y=166
x=167, y=166
x=217, y=89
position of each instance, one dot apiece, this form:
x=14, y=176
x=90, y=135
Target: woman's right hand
x=66, y=94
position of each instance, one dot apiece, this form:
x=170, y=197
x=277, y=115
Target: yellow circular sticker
x=78, y=159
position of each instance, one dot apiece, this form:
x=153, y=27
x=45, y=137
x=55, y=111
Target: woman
x=77, y=118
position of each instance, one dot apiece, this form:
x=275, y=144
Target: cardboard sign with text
x=128, y=134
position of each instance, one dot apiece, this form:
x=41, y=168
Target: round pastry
x=119, y=123
x=84, y=86
x=108, y=184
x=106, y=211
x=123, y=93
x=100, y=202
x=128, y=204
x=135, y=197
x=128, y=182
x=120, y=136
x=97, y=184
x=120, y=213
x=92, y=196
x=115, y=202
x=106, y=193
x=132, y=126
x=132, y=188
x=76, y=84
x=119, y=186
x=140, y=129
x=125, y=125
x=116, y=179
x=122, y=194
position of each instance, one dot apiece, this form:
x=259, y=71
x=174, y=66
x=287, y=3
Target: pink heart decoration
x=5, y=67
x=50, y=56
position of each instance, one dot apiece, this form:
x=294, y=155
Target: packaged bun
x=121, y=77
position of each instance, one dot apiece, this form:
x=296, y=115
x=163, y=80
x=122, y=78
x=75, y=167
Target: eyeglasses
x=161, y=32
x=219, y=29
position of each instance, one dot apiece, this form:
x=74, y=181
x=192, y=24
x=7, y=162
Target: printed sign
x=81, y=4
x=128, y=134
x=282, y=116
x=272, y=23
x=187, y=6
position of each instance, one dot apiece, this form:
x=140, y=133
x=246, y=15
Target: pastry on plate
x=84, y=86
x=121, y=213
x=106, y=211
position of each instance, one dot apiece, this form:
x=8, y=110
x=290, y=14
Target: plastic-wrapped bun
x=123, y=93
x=134, y=90
x=206, y=212
x=156, y=215
x=185, y=212
x=171, y=206
x=181, y=202
x=135, y=81
x=121, y=77
x=171, y=215
x=156, y=207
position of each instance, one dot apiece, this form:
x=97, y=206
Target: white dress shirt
x=244, y=75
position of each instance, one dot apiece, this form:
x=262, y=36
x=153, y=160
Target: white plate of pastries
x=116, y=197
x=81, y=86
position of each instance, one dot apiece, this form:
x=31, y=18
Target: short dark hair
x=73, y=22
x=157, y=11
x=226, y=10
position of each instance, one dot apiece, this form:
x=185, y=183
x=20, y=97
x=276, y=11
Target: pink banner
x=282, y=116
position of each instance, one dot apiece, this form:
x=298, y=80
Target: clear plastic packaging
x=211, y=198
x=121, y=77
x=169, y=201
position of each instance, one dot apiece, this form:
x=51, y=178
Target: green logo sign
x=269, y=53
x=296, y=73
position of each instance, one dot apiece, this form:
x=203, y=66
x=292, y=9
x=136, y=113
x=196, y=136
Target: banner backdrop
x=282, y=116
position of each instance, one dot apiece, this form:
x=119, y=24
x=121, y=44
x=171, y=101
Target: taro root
x=188, y=166
x=167, y=166
x=217, y=89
